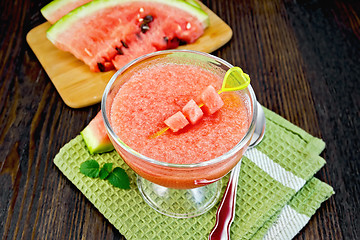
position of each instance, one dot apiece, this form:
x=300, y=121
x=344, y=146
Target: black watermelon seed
x=148, y=18
x=182, y=42
x=124, y=44
x=166, y=39
x=101, y=67
x=144, y=27
x=119, y=51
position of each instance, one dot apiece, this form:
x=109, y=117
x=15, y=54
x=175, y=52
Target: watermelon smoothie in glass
x=178, y=173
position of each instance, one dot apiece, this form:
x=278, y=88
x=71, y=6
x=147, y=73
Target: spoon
x=226, y=211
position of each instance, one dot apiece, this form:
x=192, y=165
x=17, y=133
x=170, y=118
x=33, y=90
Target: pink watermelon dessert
x=107, y=34
x=156, y=92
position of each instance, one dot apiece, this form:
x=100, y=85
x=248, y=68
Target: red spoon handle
x=226, y=211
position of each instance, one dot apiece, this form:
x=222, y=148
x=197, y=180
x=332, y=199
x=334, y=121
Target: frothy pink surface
x=157, y=92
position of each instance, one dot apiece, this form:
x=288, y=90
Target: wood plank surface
x=304, y=60
x=78, y=86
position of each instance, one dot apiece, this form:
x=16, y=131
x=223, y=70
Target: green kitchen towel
x=276, y=197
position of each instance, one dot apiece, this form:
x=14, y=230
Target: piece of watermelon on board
x=107, y=34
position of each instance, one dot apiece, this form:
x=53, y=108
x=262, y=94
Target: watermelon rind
x=187, y=6
x=92, y=7
x=52, y=7
x=92, y=142
x=56, y=9
x=194, y=3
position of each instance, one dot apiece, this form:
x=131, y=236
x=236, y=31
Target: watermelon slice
x=59, y=8
x=107, y=34
x=176, y=122
x=211, y=100
x=192, y=112
x=95, y=136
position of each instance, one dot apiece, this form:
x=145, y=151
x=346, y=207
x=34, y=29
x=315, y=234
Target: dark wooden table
x=304, y=59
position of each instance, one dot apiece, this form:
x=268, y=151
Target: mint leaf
x=90, y=168
x=119, y=178
x=105, y=170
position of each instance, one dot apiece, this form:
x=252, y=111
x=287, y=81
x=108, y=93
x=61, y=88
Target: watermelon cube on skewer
x=211, y=100
x=192, y=112
x=176, y=122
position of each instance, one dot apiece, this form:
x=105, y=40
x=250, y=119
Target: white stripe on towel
x=288, y=225
x=277, y=172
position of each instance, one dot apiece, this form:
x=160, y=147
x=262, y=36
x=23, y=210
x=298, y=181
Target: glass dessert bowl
x=178, y=173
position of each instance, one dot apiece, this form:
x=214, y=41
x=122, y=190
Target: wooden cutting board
x=78, y=86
